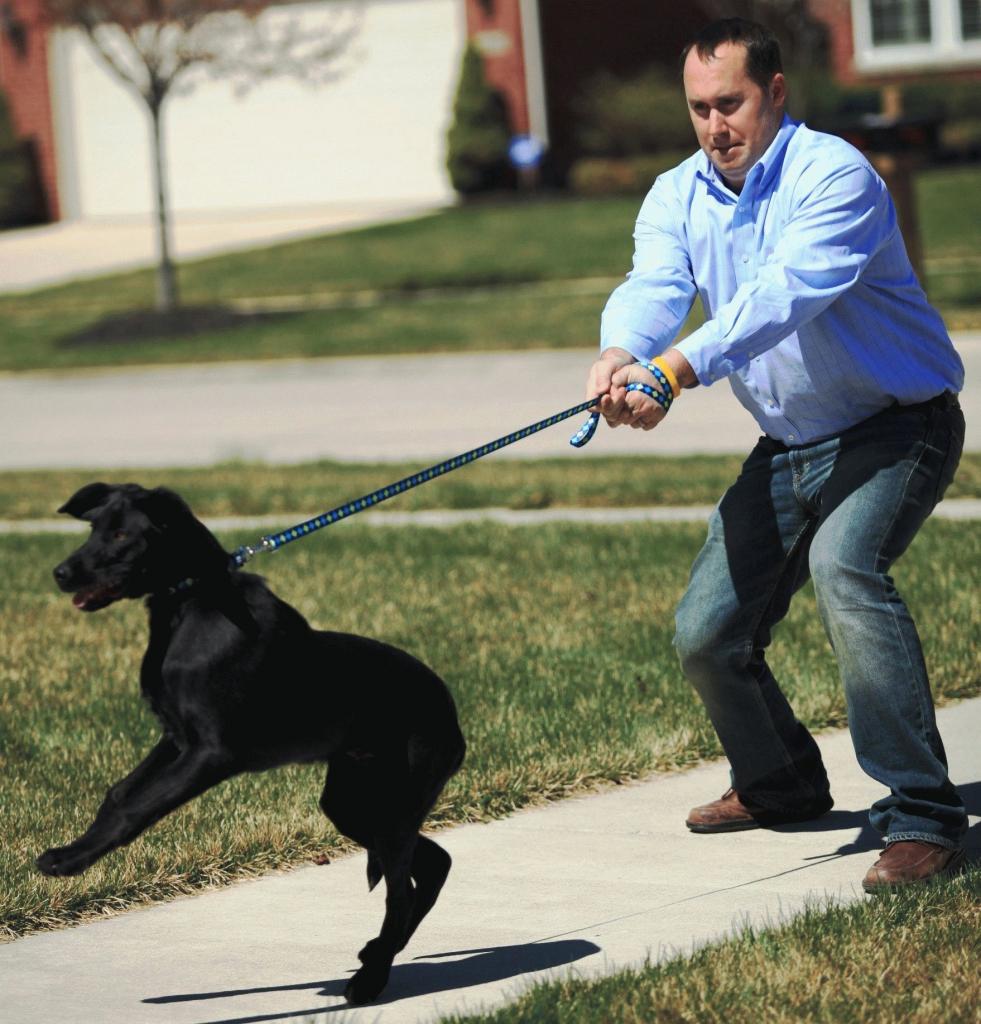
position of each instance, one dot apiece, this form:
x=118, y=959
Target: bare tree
x=161, y=47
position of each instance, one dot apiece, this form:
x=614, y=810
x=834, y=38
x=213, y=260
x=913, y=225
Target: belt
x=944, y=401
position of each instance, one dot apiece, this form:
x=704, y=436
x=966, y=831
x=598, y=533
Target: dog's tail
x=374, y=870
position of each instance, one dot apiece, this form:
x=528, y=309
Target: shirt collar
x=761, y=173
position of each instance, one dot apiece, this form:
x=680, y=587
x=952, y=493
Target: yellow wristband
x=670, y=374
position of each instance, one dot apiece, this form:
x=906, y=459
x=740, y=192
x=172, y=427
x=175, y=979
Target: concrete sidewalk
x=357, y=409
x=580, y=887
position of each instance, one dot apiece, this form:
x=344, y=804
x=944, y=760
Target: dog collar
x=184, y=585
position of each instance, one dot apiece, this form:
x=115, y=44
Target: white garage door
x=375, y=133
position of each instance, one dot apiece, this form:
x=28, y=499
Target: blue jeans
x=839, y=511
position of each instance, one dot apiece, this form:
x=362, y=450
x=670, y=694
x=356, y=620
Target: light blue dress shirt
x=812, y=310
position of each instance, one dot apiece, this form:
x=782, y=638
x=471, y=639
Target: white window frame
x=947, y=49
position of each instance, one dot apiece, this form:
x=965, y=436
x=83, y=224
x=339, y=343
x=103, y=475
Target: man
x=814, y=315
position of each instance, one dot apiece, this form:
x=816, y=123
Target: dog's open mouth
x=93, y=598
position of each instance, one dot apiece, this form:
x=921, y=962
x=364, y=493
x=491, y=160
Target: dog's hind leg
x=381, y=803
x=361, y=801
x=377, y=955
x=434, y=764
x=430, y=867
x=136, y=803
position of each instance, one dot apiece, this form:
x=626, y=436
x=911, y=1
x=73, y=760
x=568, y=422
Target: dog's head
x=142, y=541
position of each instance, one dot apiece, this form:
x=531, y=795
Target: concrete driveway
x=72, y=250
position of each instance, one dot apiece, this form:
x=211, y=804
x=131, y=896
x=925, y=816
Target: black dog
x=241, y=683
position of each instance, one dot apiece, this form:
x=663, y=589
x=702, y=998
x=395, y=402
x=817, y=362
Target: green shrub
x=962, y=137
x=595, y=175
x=815, y=97
x=953, y=100
x=957, y=105
x=478, y=138
x=621, y=117
x=828, y=106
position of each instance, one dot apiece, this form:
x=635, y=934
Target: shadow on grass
x=141, y=325
x=452, y=970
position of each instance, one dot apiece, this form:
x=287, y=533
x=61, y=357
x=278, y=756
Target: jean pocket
x=947, y=440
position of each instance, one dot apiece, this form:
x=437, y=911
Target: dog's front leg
x=162, y=782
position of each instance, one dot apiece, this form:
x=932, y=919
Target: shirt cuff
x=701, y=349
x=638, y=346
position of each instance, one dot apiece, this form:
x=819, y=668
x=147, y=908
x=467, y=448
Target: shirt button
x=790, y=437
x=745, y=259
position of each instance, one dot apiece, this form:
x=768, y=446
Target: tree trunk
x=167, y=298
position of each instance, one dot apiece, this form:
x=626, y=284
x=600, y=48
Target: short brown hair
x=762, y=49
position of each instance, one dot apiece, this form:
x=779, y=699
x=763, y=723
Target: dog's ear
x=85, y=503
x=172, y=516
x=165, y=508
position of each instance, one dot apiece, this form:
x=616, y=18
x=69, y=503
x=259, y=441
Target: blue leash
x=277, y=540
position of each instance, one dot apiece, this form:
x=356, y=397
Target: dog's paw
x=367, y=984
x=369, y=951
x=63, y=860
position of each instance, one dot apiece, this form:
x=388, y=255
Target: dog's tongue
x=84, y=598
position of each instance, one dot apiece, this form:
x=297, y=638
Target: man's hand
x=611, y=404
x=617, y=368
x=643, y=411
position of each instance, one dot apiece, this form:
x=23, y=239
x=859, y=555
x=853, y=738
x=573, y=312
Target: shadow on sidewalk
x=441, y=972
x=868, y=839
x=453, y=970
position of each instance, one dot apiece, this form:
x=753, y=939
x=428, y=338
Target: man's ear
x=85, y=503
x=778, y=91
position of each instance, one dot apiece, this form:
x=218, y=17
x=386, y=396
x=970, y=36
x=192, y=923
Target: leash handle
x=586, y=431
x=272, y=542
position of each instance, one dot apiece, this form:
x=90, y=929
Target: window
x=971, y=19
x=916, y=35
x=900, y=21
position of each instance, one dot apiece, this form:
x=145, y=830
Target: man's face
x=735, y=119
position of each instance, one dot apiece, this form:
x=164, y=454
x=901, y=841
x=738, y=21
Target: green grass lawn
x=239, y=489
x=520, y=623
x=911, y=958
x=487, y=246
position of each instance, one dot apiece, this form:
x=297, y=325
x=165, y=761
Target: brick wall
x=24, y=80
x=495, y=26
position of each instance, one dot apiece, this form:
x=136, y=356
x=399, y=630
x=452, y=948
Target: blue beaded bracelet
x=665, y=396
x=646, y=389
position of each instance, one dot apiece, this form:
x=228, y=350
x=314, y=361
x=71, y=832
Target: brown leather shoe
x=908, y=861
x=730, y=813
x=727, y=814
